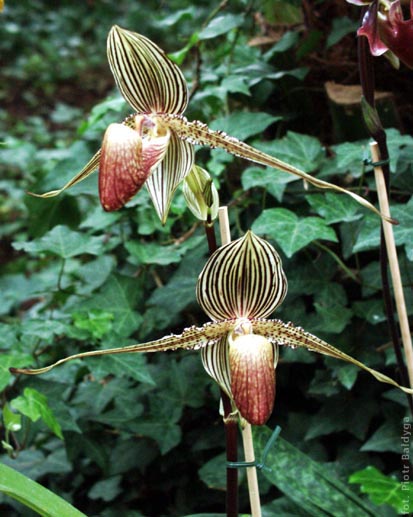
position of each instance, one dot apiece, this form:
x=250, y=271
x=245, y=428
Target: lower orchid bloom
x=155, y=145
x=387, y=31
x=241, y=284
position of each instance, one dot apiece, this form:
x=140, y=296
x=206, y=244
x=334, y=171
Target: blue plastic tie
x=257, y=464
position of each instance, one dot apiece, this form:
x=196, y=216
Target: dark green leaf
x=244, y=124
x=291, y=232
x=221, y=25
x=118, y=296
x=64, y=242
x=107, y=489
x=334, y=208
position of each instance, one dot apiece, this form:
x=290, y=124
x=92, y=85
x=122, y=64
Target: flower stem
x=230, y=422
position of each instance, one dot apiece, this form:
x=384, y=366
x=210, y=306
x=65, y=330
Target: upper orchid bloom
x=387, y=30
x=155, y=145
x=241, y=284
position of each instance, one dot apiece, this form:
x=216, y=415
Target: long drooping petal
x=243, y=279
x=128, y=157
x=290, y=335
x=191, y=338
x=199, y=133
x=165, y=179
x=146, y=77
x=87, y=170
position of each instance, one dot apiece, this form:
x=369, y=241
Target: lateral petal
x=165, y=179
x=216, y=363
x=192, y=338
x=290, y=335
x=148, y=80
x=87, y=170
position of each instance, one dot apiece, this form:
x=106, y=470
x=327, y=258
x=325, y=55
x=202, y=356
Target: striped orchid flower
x=154, y=146
x=241, y=284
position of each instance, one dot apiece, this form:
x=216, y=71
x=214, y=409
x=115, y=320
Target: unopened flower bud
x=201, y=194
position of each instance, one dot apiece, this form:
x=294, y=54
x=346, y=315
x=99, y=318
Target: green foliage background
x=137, y=435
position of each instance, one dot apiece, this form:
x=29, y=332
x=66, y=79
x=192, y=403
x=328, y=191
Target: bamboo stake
x=252, y=477
x=393, y=262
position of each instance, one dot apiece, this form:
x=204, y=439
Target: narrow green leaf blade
x=306, y=482
x=34, y=495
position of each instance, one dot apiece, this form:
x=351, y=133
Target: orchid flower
x=241, y=284
x=387, y=31
x=154, y=146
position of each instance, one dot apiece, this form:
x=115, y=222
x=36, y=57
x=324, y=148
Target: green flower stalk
x=154, y=146
x=241, y=284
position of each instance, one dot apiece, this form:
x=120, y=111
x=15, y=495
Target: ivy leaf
x=213, y=472
x=302, y=151
x=386, y=438
x=221, y=25
x=369, y=233
x=334, y=417
x=383, y=489
x=334, y=208
x=403, y=233
x=341, y=27
x=160, y=428
x=7, y=360
x=347, y=375
x=34, y=463
x=131, y=365
x=291, y=232
x=63, y=242
x=118, y=296
x=153, y=253
x=368, y=236
x=272, y=180
x=34, y=405
x=244, y=124
x=12, y=421
x=95, y=322
x=106, y=489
